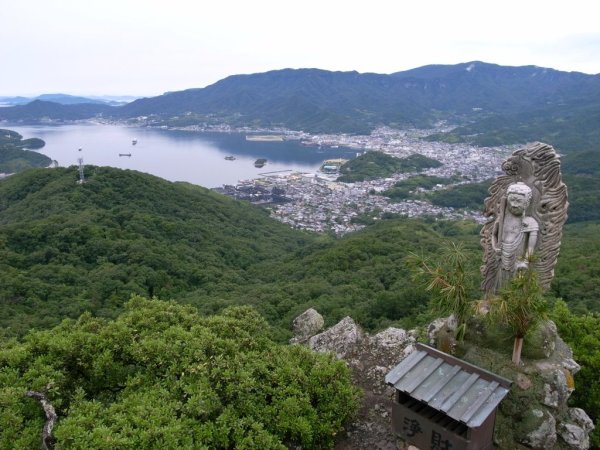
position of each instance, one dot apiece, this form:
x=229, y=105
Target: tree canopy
x=162, y=376
x=67, y=248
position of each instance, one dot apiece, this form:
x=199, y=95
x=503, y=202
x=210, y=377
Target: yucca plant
x=520, y=306
x=448, y=279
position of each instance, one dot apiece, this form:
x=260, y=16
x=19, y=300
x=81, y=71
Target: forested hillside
x=496, y=104
x=67, y=248
x=373, y=165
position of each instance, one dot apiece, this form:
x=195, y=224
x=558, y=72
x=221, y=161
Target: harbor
x=264, y=138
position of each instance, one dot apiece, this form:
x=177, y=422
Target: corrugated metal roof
x=463, y=391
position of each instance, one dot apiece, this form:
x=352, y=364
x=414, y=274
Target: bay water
x=198, y=158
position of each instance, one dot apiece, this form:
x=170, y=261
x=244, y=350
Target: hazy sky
x=147, y=47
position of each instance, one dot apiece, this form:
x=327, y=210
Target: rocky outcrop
x=370, y=357
x=307, y=324
x=543, y=436
x=534, y=415
x=341, y=339
x=576, y=432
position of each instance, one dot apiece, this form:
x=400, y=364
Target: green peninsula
x=16, y=154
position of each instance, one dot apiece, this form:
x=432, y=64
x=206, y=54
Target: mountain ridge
x=67, y=99
x=494, y=104
x=40, y=110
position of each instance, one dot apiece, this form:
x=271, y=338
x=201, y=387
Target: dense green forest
x=67, y=248
x=16, y=154
x=470, y=195
x=373, y=165
x=162, y=376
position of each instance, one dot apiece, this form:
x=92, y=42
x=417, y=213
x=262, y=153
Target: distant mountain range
x=40, y=111
x=65, y=99
x=492, y=104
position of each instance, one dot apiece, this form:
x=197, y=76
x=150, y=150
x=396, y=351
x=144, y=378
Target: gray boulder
x=576, y=431
x=543, y=437
x=306, y=325
x=556, y=391
x=340, y=339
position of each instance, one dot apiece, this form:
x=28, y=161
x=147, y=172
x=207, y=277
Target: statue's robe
x=514, y=252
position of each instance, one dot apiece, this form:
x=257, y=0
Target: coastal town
x=317, y=202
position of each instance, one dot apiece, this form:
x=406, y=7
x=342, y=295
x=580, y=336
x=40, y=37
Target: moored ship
x=260, y=162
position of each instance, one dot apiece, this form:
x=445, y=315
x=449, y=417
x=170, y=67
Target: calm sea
x=198, y=158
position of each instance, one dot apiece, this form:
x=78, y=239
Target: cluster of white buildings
x=318, y=203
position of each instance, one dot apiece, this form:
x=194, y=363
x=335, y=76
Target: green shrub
x=162, y=376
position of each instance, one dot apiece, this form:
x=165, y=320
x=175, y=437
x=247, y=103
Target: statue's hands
x=522, y=264
x=497, y=251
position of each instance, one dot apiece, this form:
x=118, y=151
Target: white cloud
x=149, y=46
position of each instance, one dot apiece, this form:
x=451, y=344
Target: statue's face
x=516, y=203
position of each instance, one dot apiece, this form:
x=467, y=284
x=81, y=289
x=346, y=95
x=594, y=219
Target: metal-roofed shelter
x=444, y=403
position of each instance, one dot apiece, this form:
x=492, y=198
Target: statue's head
x=518, y=196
